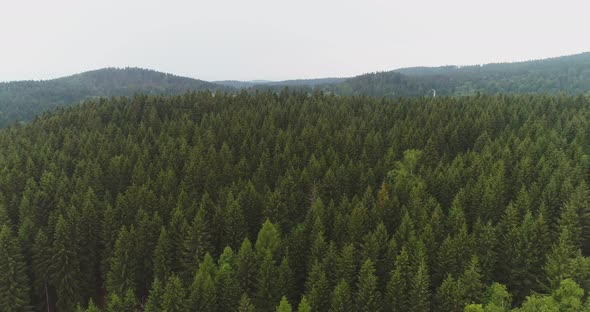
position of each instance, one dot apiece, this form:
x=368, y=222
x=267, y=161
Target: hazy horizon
x=270, y=40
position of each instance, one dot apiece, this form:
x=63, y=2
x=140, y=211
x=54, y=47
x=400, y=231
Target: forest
x=565, y=74
x=21, y=101
x=291, y=201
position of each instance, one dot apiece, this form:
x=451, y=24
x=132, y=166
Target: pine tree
x=65, y=268
x=196, y=243
x=317, y=288
x=235, y=224
x=247, y=268
x=419, y=293
x=345, y=264
x=174, y=297
x=228, y=291
x=341, y=298
x=245, y=304
x=126, y=303
x=471, y=284
x=367, y=297
x=285, y=279
x=268, y=238
x=284, y=305
x=163, y=253
x=304, y=305
x=266, y=284
x=449, y=296
x=41, y=265
x=14, y=287
x=155, y=299
x=122, y=273
x=203, y=295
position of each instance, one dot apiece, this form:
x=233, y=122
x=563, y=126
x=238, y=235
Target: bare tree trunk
x=47, y=296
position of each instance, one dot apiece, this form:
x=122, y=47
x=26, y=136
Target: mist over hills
x=22, y=100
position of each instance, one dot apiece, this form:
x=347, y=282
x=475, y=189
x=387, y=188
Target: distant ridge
x=22, y=100
x=568, y=74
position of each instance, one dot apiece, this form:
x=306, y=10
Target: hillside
x=22, y=100
x=326, y=203
x=567, y=74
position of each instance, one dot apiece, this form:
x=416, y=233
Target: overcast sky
x=275, y=40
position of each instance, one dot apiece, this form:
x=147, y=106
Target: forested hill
x=22, y=100
x=567, y=74
x=325, y=203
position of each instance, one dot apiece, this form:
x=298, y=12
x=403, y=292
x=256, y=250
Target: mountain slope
x=568, y=74
x=22, y=100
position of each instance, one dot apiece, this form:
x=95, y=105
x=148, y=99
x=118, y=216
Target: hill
x=567, y=74
x=206, y=203
x=22, y=100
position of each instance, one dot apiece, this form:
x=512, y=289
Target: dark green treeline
x=296, y=202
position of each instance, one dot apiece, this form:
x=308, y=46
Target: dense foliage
x=22, y=100
x=264, y=202
x=568, y=74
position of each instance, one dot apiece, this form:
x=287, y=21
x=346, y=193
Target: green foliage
x=342, y=199
x=367, y=297
x=245, y=304
x=341, y=298
x=284, y=306
x=14, y=287
x=174, y=296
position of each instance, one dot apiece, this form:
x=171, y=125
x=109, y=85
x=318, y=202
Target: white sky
x=275, y=39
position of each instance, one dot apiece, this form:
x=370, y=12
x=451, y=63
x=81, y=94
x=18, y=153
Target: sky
x=278, y=40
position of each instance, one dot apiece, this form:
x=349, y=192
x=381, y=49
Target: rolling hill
x=22, y=100
x=567, y=74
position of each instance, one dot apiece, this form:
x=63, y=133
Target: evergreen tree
x=284, y=306
x=317, y=288
x=367, y=297
x=245, y=305
x=203, y=295
x=341, y=298
x=155, y=299
x=15, y=287
x=65, y=267
x=471, y=284
x=174, y=297
x=304, y=305
x=122, y=273
x=419, y=292
x=41, y=265
x=449, y=296
x=228, y=291
x=247, y=268
x=266, y=283
x=163, y=253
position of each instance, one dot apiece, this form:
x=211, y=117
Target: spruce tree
x=284, y=305
x=174, y=296
x=368, y=297
x=65, y=267
x=245, y=305
x=155, y=299
x=266, y=283
x=305, y=305
x=419, y=292
x=247, y=268
x=341, y=298
x=14, y=287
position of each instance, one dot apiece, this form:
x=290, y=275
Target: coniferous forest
x=261, y=201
